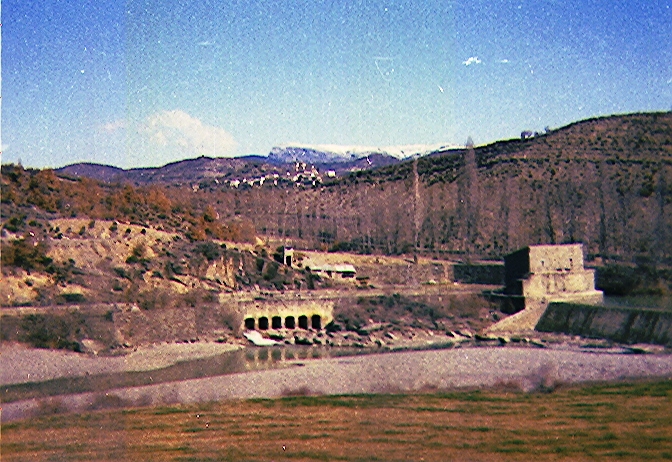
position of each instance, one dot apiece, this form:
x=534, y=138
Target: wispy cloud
x=112, y=127
x=177, y=130
x=503, y=61
x=472, y=60
x=163, y=137
x=205, y=43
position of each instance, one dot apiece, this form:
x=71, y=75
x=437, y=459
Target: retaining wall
x=483, y=273
x=623, y=325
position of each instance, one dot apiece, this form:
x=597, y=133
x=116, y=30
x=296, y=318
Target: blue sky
x=144, y=83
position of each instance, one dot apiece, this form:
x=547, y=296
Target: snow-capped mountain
x=332, y=153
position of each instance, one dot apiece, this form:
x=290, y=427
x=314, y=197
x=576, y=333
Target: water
x=232, y=362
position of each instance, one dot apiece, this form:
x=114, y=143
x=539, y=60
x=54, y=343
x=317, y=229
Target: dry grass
x=608, y=422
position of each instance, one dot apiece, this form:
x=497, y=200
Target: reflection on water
x=640, y=301
x=257, y=358
x=243, y=360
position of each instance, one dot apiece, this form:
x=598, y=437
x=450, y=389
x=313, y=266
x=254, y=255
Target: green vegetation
x=598, y=422
x=52, y=331
x=642, y=279
x=23, y=253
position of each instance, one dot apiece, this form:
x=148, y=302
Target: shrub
x=209, y=250
x=271, y=271
x=73, y=297
x=122, y=273
x=23, y=254
x=155, y=299
x=50, y=331
x=15, y=223
x=137, y=254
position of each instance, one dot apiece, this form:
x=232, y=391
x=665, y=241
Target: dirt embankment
x=361, y=318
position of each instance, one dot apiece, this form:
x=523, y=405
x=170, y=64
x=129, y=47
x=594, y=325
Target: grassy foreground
x=604, y=422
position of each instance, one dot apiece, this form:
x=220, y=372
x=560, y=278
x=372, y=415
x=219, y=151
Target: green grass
x=597, y=422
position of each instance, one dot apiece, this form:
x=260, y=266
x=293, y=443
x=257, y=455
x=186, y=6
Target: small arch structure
x=297, y=314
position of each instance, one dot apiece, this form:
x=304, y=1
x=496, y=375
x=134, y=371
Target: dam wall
x=287, y=314
x=479, y=273
x=623, y=325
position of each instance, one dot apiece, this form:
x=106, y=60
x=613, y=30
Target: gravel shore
x=21, y=364
x=526, y=369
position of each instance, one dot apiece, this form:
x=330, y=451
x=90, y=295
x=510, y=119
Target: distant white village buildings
x=303, y=175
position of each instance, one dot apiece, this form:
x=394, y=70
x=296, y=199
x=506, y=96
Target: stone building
x=550, y=272
x=540, y=274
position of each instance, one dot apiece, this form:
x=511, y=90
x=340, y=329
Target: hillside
x=606, y=182
x=183, y=172
x=222, y=171
x=177, y=242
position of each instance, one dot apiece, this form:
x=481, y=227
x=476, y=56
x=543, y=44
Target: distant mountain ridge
x=339, y=159
x=180, y=172
x=208, y=168
x=326, y=153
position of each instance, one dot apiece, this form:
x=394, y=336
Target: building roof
x=339, y=268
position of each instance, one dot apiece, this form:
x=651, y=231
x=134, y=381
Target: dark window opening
x=290, y=322
x=276, y=322
x=316, y=322
x=249, y=324
x=303, y=322
x=263, y=323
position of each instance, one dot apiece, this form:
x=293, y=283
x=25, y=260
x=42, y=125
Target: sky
x=141, y=83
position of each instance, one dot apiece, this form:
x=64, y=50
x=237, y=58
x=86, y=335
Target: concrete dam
x=286, y=314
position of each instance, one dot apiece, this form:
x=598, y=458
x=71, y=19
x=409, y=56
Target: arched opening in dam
x=287, y=314
x=290, y=322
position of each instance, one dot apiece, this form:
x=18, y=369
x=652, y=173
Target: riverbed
x=522, y=368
